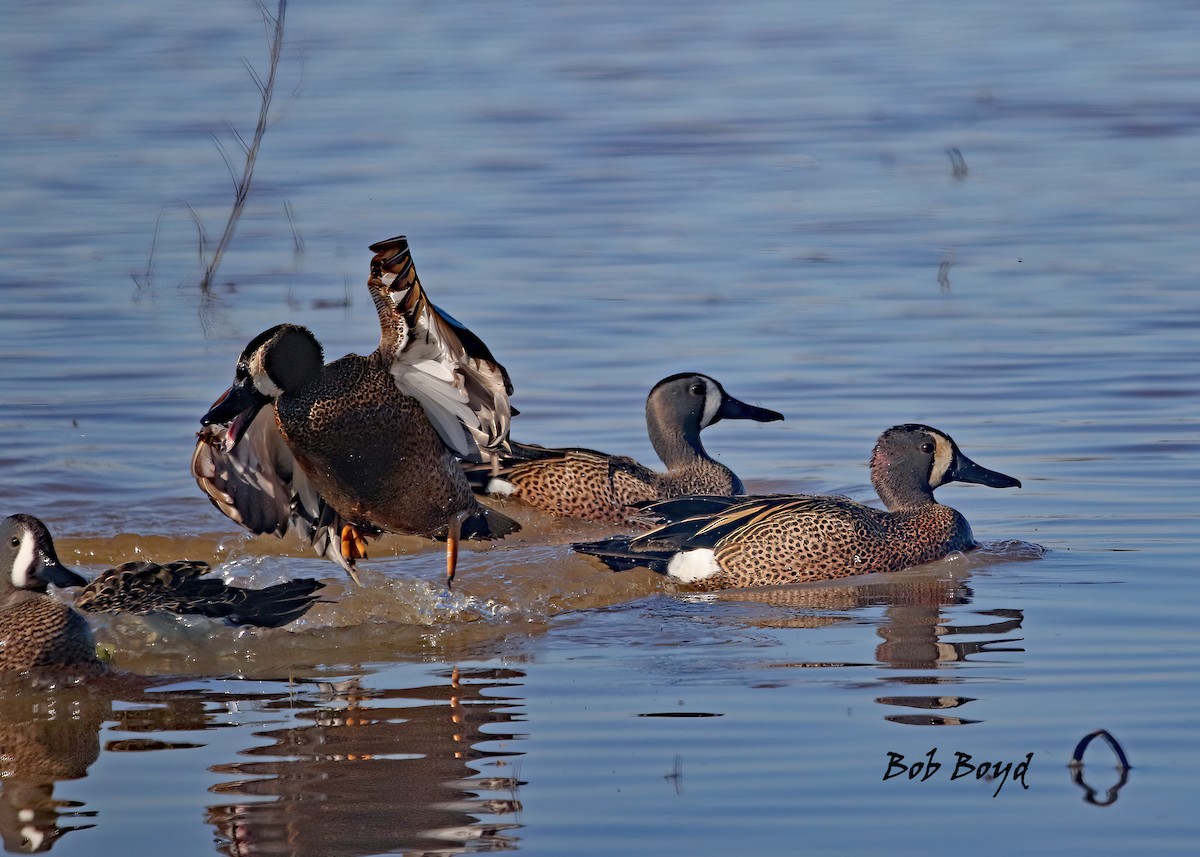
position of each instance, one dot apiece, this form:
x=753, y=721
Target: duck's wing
x=257, y=483
x=691, y=523
x=436, y=360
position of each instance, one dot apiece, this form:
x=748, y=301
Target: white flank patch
x=501, y=487
x=22, y=567
x=693, y=565
x=388, y=278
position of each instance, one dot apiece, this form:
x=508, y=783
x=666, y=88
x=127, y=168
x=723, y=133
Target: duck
x=37, y=631
x=727, y=542
x=595, y=486
x=364, y=445
x=182, y=587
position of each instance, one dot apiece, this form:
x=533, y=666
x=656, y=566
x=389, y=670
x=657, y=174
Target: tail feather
x=274, y=606
x=489, y=524
x=621, y=553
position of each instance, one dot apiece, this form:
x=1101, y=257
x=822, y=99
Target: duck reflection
x=917, y=635
x=45, y=736
x=369, y=771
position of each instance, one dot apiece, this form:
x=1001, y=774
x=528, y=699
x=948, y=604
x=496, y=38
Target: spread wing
x=259, y=485
x=438, y=361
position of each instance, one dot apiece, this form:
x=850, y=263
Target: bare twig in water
x=242, y=184
x=943, y=275
x=297, y=238
x=958, y=164
x=144, y=280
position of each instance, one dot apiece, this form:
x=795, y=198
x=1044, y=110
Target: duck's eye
x=697, y=389
x=15, y=542
x=927, y=447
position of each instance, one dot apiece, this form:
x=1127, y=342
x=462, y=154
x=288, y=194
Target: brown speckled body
x=583, y=483
x=38, y=632
x=371, y=451
x=824, y=538
x=188, y=588
x=598, y=487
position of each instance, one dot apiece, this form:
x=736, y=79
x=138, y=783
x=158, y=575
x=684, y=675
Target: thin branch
x=266, y=89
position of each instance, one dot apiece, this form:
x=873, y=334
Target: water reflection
x=366, y=771
x=917, y=630
x=45, y=736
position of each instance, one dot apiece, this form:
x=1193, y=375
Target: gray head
x=911, y=460
x=680, y=406
x=283, y=358
x=28, y=558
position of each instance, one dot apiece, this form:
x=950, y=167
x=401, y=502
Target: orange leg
x=354, y=547
x=453, y=535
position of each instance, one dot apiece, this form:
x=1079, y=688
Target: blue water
x=766, y=192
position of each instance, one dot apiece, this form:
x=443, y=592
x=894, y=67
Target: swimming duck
x=721, y=542
x=36, y=631
x=583, y=483
x=180, y=587
x=362, y=445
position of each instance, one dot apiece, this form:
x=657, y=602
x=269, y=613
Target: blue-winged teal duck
x=36, y=631
x=180, y=587
x=362, y=445
x=183, y=587
x=583, y=483
x=718, y=543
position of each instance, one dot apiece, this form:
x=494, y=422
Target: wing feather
x=259, y=485
x=437, y=360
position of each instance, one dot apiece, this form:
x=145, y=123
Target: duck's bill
x=966, y=470
x=55, y=573
x=235, y=410
x=734, y=409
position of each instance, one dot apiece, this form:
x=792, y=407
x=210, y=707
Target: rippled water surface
x=981, y=217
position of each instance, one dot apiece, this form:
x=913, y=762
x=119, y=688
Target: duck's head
x=27, y=556
x=911, y=460
x=697, y=401
x=283, y=358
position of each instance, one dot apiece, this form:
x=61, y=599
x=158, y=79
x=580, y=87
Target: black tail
x=488, y=524
x=621, y=553
x=271, y=607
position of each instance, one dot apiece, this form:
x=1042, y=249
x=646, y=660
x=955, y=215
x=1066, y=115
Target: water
x=607, y=195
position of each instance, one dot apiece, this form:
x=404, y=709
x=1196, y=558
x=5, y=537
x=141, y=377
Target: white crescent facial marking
x=943, y=457
x=712, y=403
x=262, y=381
x=693, y=565
x=22, y=568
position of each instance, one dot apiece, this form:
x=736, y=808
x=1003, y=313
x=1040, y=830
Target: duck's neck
x=900, y=491
x=678, y=447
